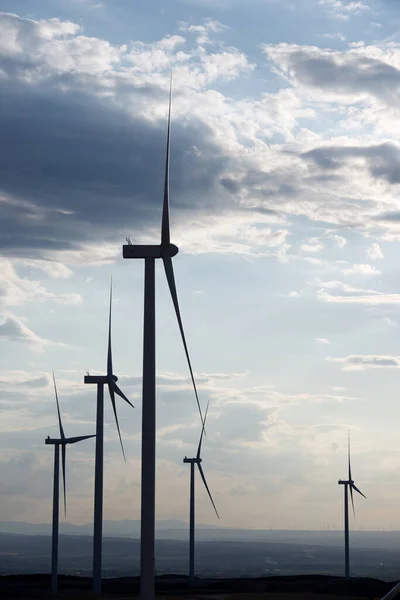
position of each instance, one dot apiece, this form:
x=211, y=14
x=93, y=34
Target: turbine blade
x=352, y=500
x=357, y=490
x=63, y=460
x=348, y=453
x=109, y=354
x=169, y=271
x=79, y=438
x=112, y=396
x=58, y=410
x=206, y=486
x=202, y=431
x=165, y=233
x=119, y=392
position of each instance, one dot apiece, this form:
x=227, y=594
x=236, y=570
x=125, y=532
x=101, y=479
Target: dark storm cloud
x=392, y=216
x=74, y=169
x=383, y=160
x=348, y=73
x=360, y=74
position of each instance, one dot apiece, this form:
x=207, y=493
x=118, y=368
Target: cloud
x=339, y=239
x=21, y=379
x=382, y=161
x=322, y=341
x=362, y=269
x=110, y=135
x=344, y=9
x=14, y=330
x=312, y=245
x=203, y=32
x=179, y=381
x=334, y=36
x=375, y=252
x=110, y=106
x=23, y=475
x=353, y=295
x=361, y=362
x=350, y=76
x=53, y=269
x=16, y=290
x=110, y=102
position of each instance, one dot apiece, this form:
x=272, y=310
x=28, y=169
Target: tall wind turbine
x=111, y=381
x=196, y=461
x=149, y=253
x=348, y=485
x=61, y=441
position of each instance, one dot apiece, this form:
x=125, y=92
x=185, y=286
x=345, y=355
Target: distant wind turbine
x=348, y=485
x=196, y=461
x=149, y=253
x=111, y=381
x=62, y=441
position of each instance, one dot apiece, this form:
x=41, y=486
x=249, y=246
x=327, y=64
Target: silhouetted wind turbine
x=149, y=253
x=62, y=441
x=111, y=381
x=348, y=485
x=196, y=461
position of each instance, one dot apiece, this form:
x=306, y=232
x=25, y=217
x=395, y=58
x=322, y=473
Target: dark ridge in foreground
x=38, y=586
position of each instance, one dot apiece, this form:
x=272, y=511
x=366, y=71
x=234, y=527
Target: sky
x=285, y=205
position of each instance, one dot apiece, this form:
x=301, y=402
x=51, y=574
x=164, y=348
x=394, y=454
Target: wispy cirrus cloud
x=361, y=362
x=343, y=293
x=344, y=9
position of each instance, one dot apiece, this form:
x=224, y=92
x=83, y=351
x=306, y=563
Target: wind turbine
x=62, y=441
x=149, y=253
x=196, y=461
x=348, y=485
x=111, y=381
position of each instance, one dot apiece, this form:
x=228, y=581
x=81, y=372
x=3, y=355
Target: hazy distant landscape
x=25, y=548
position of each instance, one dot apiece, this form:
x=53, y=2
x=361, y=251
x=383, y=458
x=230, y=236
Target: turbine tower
x=348, y=485
x=196, y=461
x=149, y=253
x=61, y=441
x=111, y=381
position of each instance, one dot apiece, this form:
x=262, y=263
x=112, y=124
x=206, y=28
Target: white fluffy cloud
x=375, y=252
x=16, y=290
x=362, y=269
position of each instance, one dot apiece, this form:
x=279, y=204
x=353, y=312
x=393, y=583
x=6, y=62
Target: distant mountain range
x=124, y=528
x=174, y=529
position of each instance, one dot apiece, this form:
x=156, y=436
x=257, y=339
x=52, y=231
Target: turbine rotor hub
x=169, y=250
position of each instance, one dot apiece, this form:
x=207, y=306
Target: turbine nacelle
x=192, y=460
x=102, y=379
x=149, y=251
x=63, y=441
x=53, y=441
